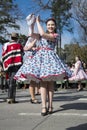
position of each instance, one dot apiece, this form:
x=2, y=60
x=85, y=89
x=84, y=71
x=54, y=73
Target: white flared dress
x=45, y=65
x=78, y=73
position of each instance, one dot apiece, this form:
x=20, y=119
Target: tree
x=80, y=15
x=60, y=11
x=72, y=50
x=8, y=17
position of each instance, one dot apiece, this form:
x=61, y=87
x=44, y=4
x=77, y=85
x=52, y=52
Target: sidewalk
x=70, y=112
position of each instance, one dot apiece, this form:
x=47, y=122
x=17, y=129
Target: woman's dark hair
x=50, y=20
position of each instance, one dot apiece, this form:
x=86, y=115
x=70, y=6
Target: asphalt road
x=70, y=112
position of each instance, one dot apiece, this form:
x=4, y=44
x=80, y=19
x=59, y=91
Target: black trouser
x=12, y=83
x=2, y=82
x=12, y=86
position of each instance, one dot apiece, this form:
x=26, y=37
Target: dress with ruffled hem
x=81, y=75
x=44, y=66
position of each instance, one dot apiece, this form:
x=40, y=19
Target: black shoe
x=44, y=113
x=34, y=101
x=37, y=94
x=14, y=102
x=50, y=110
x=80, y=89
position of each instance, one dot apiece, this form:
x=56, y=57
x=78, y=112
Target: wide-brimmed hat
x=14, y=35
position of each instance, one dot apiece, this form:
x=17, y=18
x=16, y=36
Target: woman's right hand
x=38, y=18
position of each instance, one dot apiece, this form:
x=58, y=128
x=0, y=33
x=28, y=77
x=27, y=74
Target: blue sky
x=28, y=6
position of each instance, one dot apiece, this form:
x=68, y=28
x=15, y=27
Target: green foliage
x=8, y=16
x=73, y=50
x=80, y=16
x=60, y=11
x=3, y=40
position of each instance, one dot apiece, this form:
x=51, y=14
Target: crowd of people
x=40, y=66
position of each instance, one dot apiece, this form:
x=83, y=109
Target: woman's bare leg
x=50, y=95
x=79, y=86
x=43, y=90
x=32, y=89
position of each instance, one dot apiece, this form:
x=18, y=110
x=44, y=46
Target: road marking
x=1, y=100
x=80, y=99
x=29, y=114
x=55, y=114
x=22, y=99
x=18, y=99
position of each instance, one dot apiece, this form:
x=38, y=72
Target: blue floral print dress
x=28, y=55
x=45, y=64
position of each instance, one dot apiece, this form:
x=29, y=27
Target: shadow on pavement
x=77, y=106
x=68, y=98
x=79, y=127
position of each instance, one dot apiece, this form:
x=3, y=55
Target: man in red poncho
x=12, y=60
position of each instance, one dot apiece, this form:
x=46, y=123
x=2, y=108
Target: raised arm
x=32, y=33
x=29, y=45
x=48, y=36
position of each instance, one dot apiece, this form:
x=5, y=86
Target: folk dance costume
x=11, y=55
x=45, y=64
x=12, y=60
x=78, y=73
x=28, y=55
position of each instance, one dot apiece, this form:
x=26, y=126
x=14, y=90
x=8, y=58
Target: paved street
x=70, y=112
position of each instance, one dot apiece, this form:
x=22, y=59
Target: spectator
x=85, y=67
